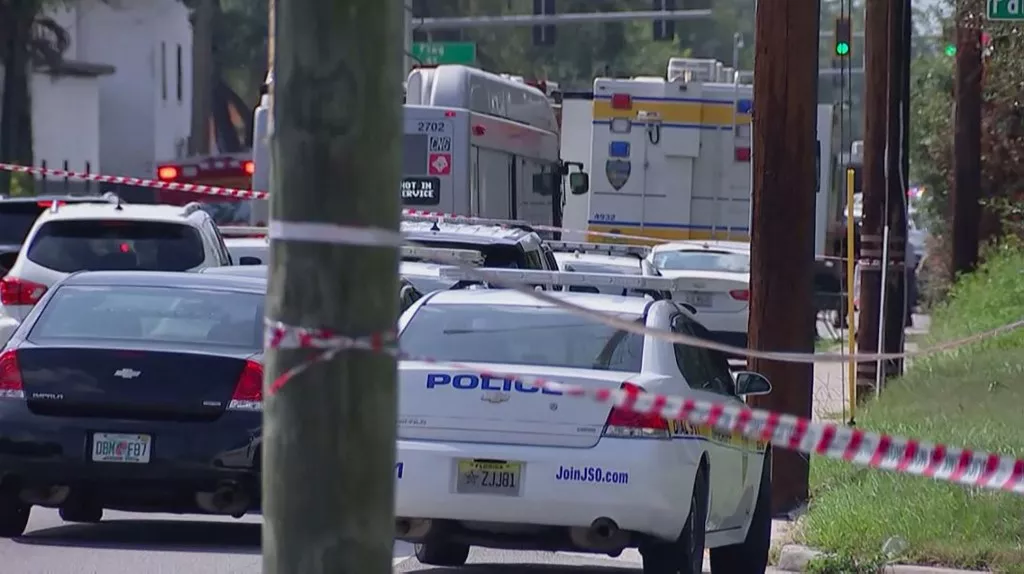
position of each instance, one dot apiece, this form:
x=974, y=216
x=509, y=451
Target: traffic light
x=544, y=34
x=664, y=30
x=950, y=50
x=844, y=37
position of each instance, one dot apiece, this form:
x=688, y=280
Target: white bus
x=474, y=144
x=484, y=145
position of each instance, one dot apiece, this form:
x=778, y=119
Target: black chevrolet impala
x=136, y=391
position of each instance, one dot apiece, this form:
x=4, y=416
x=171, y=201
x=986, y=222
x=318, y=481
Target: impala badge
x=127, y=374
x=495, y=398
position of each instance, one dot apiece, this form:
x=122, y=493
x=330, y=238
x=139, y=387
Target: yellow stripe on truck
x=662, y=234
x=676, y=112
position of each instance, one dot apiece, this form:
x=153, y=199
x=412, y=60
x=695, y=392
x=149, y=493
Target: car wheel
x=750, y=556
x=442, y=553
x=81, y=511
x=13, y=515
x=686, y=554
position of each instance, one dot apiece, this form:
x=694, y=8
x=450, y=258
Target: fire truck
x=222, y=170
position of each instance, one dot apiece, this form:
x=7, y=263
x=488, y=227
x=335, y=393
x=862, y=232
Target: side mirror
x=751, y=384
x=579, y=183
x=249, y=260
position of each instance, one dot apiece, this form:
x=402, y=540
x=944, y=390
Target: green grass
x=973, y=397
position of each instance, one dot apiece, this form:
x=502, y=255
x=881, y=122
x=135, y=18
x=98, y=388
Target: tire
x=13, y=516
x=442, y=553
x=81, y=512
x=686, y=554
x=750, y=556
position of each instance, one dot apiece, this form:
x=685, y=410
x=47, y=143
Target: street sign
x=438, y=53
x=1005, y=9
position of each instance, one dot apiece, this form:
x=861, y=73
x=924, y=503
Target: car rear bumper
x=39, y=453
x=644, y=486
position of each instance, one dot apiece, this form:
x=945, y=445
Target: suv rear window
x=16, y=220
x=496, y=255
x=116, y=245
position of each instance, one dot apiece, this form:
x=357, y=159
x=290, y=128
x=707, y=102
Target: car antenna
x=117, y=203
x=435, y=226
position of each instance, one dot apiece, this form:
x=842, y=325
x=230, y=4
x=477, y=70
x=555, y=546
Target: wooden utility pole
x=876, y=100
x=964, y=199
x=329, y=434
x=202, y=77
x=896, y=185
x=782, y=231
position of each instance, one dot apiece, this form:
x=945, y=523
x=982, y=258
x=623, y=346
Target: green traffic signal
x=842, y=48
x=950, y=50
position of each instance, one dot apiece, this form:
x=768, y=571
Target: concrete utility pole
x=876, y=63
x=782, y=231
x=897, y=184
x=329, y=434
x=964, y=199
x=202, y=77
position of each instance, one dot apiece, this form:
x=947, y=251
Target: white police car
x=489, y=461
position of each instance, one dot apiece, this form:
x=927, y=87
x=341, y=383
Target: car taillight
x=167, y=173
x=740, y=294
x=623, y=423
x=10, y=376
x=248, y=395
x=14, y=291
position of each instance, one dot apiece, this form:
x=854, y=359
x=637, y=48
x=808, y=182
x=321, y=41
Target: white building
x=121, y=101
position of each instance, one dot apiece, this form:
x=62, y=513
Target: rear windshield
x=426, y=284
x=520, y=336
x=158, y=314
x=116, y=245
x=16, y=220
x=702, y=260
x=499, y=256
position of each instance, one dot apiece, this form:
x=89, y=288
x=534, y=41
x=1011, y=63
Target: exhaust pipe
x=228, y=498
x=603, y=535
x=412, y=529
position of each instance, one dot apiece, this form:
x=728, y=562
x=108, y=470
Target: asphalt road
x=169, y=544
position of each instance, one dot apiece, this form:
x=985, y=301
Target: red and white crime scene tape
x=347, y=235
x=909, y=456
x=864, y=448
x=252, y=194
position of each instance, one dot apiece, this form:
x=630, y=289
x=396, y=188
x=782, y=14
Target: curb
x=794, y=558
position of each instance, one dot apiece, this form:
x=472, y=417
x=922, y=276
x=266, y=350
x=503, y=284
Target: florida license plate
x=698, y=298
x=489, y=477
x=124, y=448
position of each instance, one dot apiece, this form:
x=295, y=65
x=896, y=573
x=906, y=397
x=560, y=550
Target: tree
x=28, y=39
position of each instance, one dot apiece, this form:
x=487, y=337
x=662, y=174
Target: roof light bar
x=566, y=279
x=605, y=248
x=440, y=255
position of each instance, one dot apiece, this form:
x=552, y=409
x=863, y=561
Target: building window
x=163, y=70
x=181, y=91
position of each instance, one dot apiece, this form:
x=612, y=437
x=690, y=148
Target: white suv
x=111, y=237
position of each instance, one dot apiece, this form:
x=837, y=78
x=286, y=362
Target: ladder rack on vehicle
x=441, y=255
x=637, y=251
x=657, y=287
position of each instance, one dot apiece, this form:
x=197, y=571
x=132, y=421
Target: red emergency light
x=167, y=173
x=743, y=154
x=249, y=167
x=622, y=102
